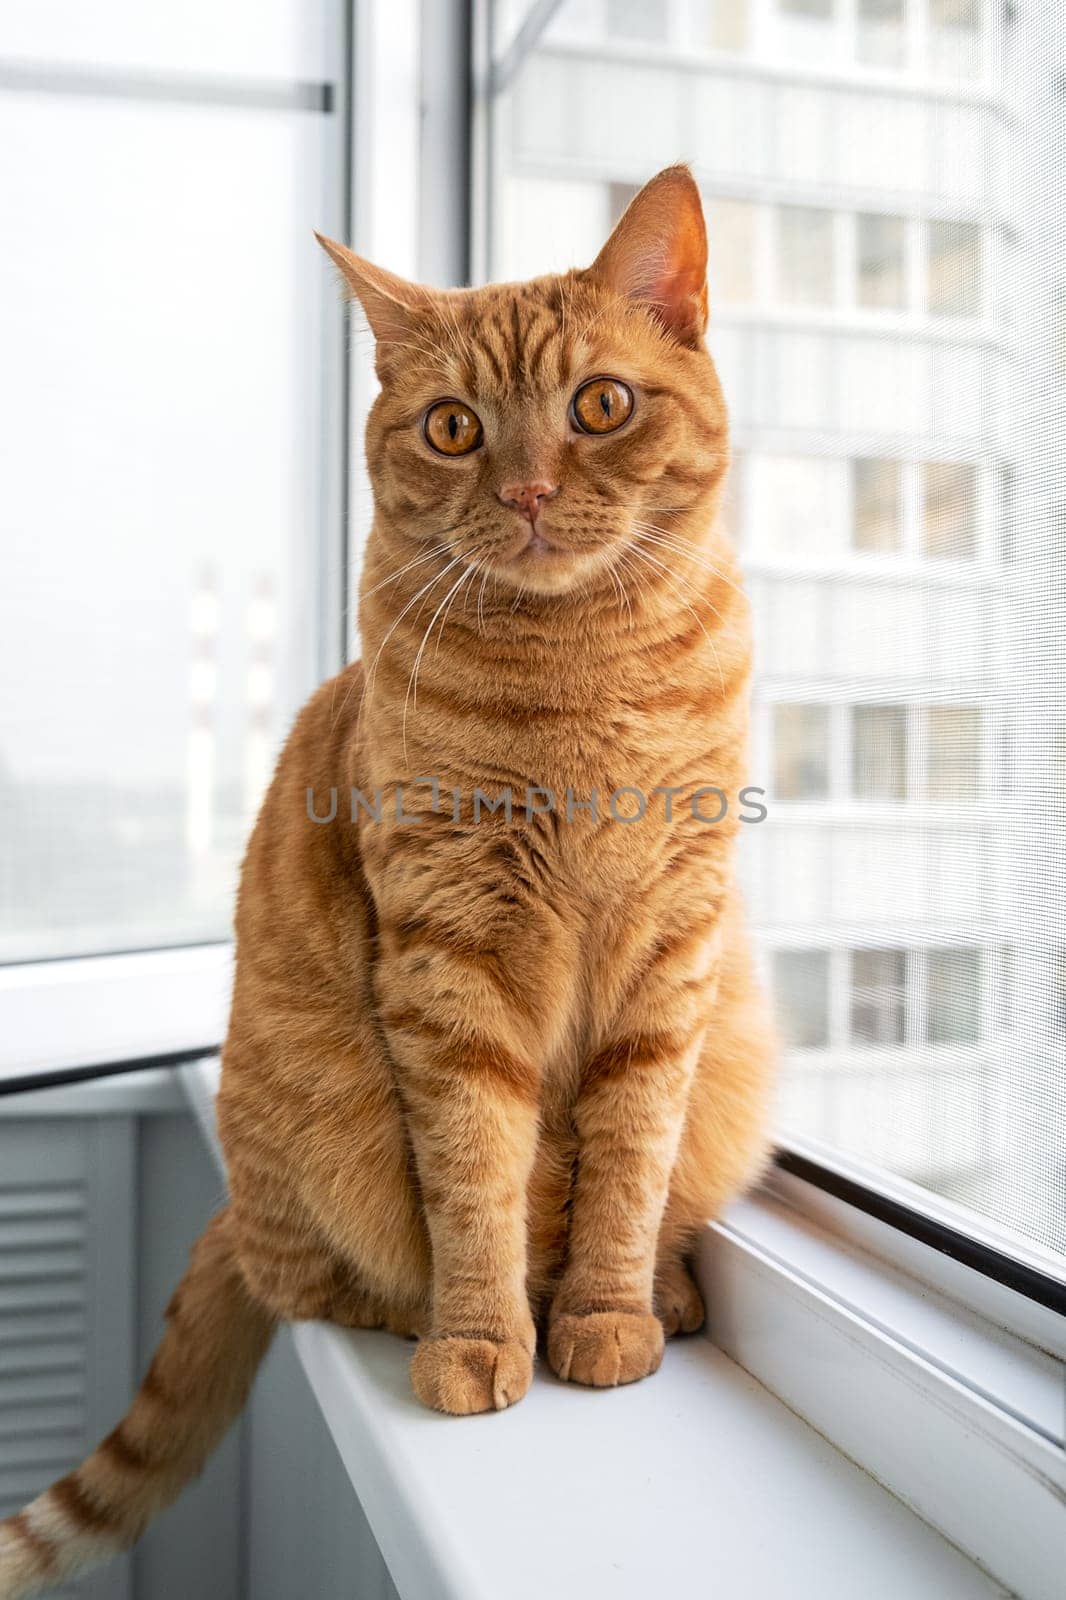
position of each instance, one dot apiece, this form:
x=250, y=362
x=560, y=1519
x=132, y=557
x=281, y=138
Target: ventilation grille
x=43, y=1336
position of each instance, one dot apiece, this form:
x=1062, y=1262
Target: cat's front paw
x=462, y=1376
x=605, y=1348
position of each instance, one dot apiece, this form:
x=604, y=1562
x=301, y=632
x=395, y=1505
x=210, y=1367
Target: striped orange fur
x=487, y=1080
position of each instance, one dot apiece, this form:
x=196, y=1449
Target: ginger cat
x=488, y=1074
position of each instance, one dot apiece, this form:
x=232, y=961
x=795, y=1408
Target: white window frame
x=62, y=1018
x=944, y=1384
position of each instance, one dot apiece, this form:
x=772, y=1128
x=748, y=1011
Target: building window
x=949, y=510
x=801, y=989
x=952, y=753
x=731, y=229
x=796, y=515
x=955, y=37
x=953, y=285
x=879, y=752
x=634, y=19
x=878, y=997
x=879, y=39
x=881, y=247
x=729, y=25
x=805, y=255
x=876, y=506
x=953, y=997
x=801, y=752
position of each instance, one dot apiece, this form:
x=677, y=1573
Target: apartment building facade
x=858, y=161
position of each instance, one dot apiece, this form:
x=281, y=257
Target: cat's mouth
x=535, y=561
x=532, y=541
x=532, y=546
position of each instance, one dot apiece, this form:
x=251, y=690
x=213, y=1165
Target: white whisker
x=368, y=686
x=675, y=578
x=412, y=682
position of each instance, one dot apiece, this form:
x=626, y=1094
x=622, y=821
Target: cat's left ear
x=388, y=301
x=657, y=254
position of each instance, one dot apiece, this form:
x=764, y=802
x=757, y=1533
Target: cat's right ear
x=657, y=254
x=388, y=301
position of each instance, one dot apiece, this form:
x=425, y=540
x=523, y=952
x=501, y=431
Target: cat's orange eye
x=602, y=405
x=452, y=428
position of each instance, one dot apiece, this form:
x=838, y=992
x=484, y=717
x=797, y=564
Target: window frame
x=329, y=99
x=69, y=1018
x=942, y=1381
x=823, y=1183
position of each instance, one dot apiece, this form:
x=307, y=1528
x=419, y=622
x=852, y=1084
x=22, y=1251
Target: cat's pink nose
x=528, y=498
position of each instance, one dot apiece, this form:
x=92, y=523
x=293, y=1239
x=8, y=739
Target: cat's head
x=534, y=428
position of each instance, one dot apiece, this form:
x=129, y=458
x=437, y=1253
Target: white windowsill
x=628, y=1493
x=699, y=1474
x=56, y=1015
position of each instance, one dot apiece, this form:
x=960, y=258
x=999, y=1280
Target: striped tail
x=196, y=1386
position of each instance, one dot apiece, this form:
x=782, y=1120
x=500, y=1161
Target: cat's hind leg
x=354, y=1306
x=678, y=1302
x=724, y=1141
x=296, y=1275
x=321, y=1175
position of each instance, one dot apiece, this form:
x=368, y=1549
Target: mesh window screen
x=884, y=187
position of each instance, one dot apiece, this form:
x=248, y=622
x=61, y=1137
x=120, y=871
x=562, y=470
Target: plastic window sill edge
x=849, y=1345
x=878, y=1342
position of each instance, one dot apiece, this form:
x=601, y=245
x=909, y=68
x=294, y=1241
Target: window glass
x=949, y=510
x=878, y=997
x=163, y=461
x=806, y=29
x=279, y=39
x=953, y=996
x=954, y=280
x=880, y=32
x=879, y=752
x=728, y=23
x=955, y=37
x=635, y=19
x=805, y=255
x=880, y=246
x=801, y=989
x=952, y=753
x=551, y=222
x=801, y=752
x=877, y=506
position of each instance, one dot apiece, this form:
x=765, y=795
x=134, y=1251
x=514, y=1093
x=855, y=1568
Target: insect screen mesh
x=883, y=185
